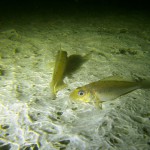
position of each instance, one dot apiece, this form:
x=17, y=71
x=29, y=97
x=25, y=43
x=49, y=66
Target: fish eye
x=81, y=93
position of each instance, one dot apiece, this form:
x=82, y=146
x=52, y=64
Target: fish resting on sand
x=107, y=89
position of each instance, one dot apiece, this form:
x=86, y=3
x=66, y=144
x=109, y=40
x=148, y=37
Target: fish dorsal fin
x=118, y=78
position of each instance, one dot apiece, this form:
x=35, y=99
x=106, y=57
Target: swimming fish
x=106, y=90
x=59, y=71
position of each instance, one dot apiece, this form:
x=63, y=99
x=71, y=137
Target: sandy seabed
x=118, y=43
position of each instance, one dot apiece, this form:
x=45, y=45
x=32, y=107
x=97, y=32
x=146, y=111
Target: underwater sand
x=118, y=43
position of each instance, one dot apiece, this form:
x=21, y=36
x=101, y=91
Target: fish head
x=81, y=94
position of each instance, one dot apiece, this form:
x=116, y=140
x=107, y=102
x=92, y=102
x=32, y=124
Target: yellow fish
x=59, y=72
x=106, y=90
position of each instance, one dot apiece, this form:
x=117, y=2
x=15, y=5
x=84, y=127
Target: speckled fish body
x=104, y=90
x=59, y=71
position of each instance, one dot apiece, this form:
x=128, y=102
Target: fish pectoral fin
x=98, y=104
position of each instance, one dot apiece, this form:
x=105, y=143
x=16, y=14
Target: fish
x=57, y=82
x=106, y=90
x=64, y=66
